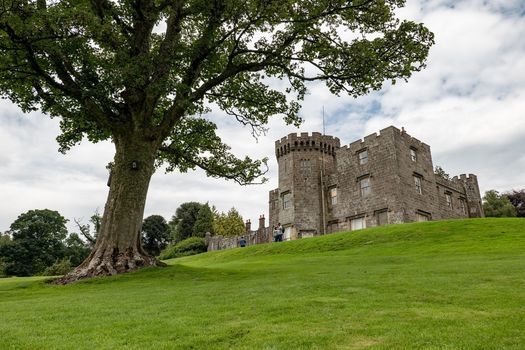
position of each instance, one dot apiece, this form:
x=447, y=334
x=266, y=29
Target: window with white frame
x=413, y=154
x=448, y=197
x=417, y=183
x=287, y=200
x=422, y=217
x=357, y=223
x=363, y=157
x=333, y=195
x=364, y=185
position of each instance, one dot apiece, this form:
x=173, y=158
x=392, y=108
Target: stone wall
x=261, y=235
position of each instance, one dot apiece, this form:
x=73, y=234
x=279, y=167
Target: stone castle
x=385, y=178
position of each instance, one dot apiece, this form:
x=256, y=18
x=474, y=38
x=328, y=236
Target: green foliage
x=155, y=234
x=105, y=69
x=496, y=205
x=59, y=268
x=183, y=221
x=435, y=285
x=441, y=173
x=230, y=224
x=189, y=246
x=37, y=242
x=4, y=240
x=517, y=199
x=204, y=221
x=76, y=250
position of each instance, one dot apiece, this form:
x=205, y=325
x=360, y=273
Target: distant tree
x=496, y=205
x=517, y=199
x=441, y=173
x=76, y=249
x=230, y=224
x=204, y=222
x=155, y=234
x=183, y=221
x=4, y=241
x=37, y=242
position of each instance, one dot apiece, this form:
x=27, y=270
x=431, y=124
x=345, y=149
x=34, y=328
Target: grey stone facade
x=385, y=178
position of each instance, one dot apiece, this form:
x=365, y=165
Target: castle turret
x=470, y=183
x=302, y=159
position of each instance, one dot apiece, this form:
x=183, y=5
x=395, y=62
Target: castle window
x=305, y=166
x=422, y=216
x=382, y=217
x=333, y=195
x=357, y=223
x=448, y=197
x=363, y=157
x=463, y=205
x=287, y=200
x=364, y=185
x=417, y=182
x=413, y=154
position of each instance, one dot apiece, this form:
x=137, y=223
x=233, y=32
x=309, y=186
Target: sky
x=468, y=105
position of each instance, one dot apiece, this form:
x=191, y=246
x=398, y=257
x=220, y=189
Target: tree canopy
x=155, y=234
x=204, y=222
x=497, y=205
x=229, y=224
x=36, y=242
x=517, y=199
x=439, y=171
x=183, y=221
x=109, y=67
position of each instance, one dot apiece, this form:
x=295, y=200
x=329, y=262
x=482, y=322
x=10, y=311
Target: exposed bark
x=118, y=248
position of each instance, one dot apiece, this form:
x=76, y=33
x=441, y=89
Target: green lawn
x=436, y=285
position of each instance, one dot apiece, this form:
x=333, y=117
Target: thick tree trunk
x=118, y=248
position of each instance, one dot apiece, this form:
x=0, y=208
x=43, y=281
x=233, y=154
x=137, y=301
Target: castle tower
x=297, y=204
x=470, y=183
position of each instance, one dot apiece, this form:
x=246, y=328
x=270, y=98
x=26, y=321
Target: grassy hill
x=436, y=285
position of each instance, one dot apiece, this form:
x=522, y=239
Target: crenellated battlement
x=306, y=142
x=466, y=178
x=386, y=132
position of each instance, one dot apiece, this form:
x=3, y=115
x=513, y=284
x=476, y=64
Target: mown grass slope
x=436, y=285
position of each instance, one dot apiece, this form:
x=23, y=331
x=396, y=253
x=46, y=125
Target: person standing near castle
x=279, y=232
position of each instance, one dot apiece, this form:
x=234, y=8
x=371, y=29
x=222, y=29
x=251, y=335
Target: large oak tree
x=141, y=73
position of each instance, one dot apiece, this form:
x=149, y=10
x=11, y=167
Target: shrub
x=59, y=268
x=189, y=246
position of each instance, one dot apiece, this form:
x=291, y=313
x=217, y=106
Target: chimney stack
x=248, y=226
x=261, y=222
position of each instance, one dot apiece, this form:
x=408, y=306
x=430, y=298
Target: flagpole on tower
x=322, y=182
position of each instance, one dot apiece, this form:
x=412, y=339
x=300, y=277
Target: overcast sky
x=468, y=105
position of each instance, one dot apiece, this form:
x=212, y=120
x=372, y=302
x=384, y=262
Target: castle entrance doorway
x=287, y=233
